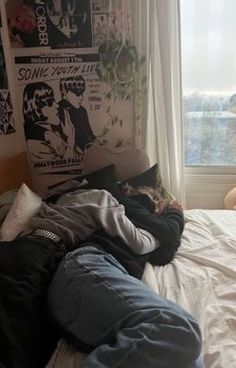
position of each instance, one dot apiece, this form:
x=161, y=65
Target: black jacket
x=167, y=228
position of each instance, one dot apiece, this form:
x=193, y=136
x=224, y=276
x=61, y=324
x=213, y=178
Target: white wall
x=207, y=190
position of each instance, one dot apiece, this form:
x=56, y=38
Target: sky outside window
x=208, y=33
x=208, y=46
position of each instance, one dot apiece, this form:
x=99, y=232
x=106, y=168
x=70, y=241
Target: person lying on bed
x=95, y=305
x=96, y=302
x=146, y=229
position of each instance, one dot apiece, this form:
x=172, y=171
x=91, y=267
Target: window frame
x=204, y=170
x=206, y=187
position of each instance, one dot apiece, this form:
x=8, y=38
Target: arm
x=77, y=215
x=69, y=132
x=167, y=225
x=65, y=149
x=167, y=228
x=56, y=142
x=40, y=150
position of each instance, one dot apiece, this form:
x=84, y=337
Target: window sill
x=206, y=187
x=210, y=170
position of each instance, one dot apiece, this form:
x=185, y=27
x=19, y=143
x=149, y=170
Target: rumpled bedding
x=202, y=279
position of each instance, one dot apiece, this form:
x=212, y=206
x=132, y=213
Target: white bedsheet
x=202, y=279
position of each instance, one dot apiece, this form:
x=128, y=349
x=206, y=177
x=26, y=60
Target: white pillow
x=25, y=206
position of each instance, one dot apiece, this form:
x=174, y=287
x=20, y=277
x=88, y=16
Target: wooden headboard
x=14, y=171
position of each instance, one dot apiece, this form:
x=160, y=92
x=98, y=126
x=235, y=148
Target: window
x=208, y=32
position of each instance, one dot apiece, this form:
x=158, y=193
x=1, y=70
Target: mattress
x=202, y=279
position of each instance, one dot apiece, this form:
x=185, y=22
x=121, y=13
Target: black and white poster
x=7, y=123
x=3, y=72
x=49, y=23
x=64, y=109
x=100, y=6
x=58, y=97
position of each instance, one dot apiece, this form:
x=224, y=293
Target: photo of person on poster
x=49, y=23
x=70, y=21
x=47, y=137
x=72, y=90
x=22, y=23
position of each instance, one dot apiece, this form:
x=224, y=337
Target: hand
x=40, y=150
x=161, y=205
x=69, y=130
x=56, y=142
x=175, y=204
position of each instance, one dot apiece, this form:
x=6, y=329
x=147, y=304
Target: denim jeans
x=94, y=300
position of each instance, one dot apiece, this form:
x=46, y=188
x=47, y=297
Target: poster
x=7, y=124
x=64, y=109
x=58, y=95
x=49, y=23
x=3, y=72
x=101, y=24
x=110, y=20
x=100, y=6
x=60, y=24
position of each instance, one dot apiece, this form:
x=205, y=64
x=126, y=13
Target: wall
x=11, y=134
x=53, y=48
x=208, y=188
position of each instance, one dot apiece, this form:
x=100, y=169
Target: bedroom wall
x=11, y=133
x=56, y=55
x=208, y=189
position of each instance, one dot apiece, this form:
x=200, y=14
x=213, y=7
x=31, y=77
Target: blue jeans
x=94, y=300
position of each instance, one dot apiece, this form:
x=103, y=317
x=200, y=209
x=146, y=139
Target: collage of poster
x=53, y=23
x=7, y=123
x=60, y=24
x=62, y=103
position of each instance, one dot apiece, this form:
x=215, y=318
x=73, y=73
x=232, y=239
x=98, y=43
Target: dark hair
x=74, y=84
x=34, y=97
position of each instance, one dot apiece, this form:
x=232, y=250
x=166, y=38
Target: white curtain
x=159, y=131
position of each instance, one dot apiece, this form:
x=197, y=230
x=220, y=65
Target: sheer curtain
x=159, y=131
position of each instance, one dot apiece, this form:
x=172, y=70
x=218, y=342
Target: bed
x=201, y=278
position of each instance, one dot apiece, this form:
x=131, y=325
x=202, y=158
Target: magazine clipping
x=7, y=123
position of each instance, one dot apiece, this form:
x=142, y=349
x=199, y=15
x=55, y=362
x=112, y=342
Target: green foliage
x=120, y=69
